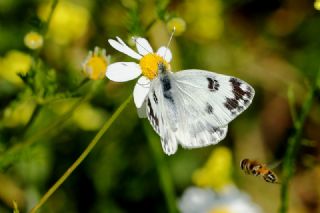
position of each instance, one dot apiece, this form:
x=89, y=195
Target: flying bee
x=253, y=167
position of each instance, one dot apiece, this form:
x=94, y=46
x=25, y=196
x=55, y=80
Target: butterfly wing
x=193, y=107
x=158, y=112
x=220, y=98
x=207, y=102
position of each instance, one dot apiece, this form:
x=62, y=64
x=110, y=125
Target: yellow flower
x=69, y=21
x=18, y=114
x=33, y=40
x=204, y=18
x=88, y=117
x=317, y=4
x=216, y=173
x=96, y=63
x=13, y=63
x=178, y=24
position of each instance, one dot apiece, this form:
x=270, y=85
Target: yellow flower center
x=149, y=65
x=96, y=67
x=33, y=40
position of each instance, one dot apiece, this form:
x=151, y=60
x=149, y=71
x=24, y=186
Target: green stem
x=84, y=154
x=148, y=27
x=47, y=23
x=292, y=150
x=163, y=170
x=34, y=115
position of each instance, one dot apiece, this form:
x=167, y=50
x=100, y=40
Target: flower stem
x=163, y=170
x=84, y=154
x=47, y=23
x=293, y=145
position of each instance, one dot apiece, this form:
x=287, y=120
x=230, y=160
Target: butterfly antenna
x=136, y=41
x=171, y=36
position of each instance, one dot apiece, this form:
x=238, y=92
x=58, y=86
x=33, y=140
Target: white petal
x=143, y=46
x=142, y=111
x=122, y=47
x=141, y=90
x=123, y=71
x=165, y=53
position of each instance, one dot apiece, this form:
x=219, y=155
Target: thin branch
x=293, y=147
x=84, y=154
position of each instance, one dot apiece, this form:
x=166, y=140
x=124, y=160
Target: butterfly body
x=194, y=107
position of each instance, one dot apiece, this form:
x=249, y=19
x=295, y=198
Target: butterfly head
x=152, y=64
x=162, y=68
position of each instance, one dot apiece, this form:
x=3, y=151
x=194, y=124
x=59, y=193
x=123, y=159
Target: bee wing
x=274, y=165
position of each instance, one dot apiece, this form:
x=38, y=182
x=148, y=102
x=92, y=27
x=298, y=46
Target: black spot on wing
x=152, y=116
x=209, y=109
x=238, y=92
x=217, y=130
x=213, y=84
x=233, y=104
x=155, y=98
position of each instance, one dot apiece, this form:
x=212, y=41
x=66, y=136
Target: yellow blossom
x=69, y=21
x=178, y=24
x=96, y=63
x=216, y=173
x=18, y=114
x=204, y=18
x=88, y=117
x=13, y=63
x=317, y=4
x=33, y=40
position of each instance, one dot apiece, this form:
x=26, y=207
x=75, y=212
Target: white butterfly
x=189, y=107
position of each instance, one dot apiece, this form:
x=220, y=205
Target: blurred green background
x=50, y=108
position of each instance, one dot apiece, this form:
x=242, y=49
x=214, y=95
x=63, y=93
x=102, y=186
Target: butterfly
x=193, y=107
x=189, y=107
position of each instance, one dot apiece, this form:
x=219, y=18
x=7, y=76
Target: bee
x=253, y=167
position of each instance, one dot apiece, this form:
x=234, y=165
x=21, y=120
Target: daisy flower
x=146, y=68
x=96, y=63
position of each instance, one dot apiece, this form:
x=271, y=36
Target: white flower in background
x=205, y=200
x=147, y=67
